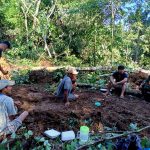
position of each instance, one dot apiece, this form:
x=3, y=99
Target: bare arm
x=123, y=81
x=65, y=96
x=12, y=117
x=3, y=71
x=112, y=79
x=142, y=84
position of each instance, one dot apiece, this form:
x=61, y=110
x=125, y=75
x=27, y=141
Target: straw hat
x=5, y=83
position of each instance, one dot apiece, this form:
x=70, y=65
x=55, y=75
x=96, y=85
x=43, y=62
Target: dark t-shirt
x=1, y=53
x=119, y=77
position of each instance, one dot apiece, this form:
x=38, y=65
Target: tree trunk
x=38, y=2
x=112, y=30
x=25, y=10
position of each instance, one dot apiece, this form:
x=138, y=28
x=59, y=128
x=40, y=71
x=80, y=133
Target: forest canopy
x=85, y=32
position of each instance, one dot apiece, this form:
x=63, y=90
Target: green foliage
x=133, y=126
x=22, y=140
x=28, y=134
x=145, y=142
x=58, y=74
x=71, y=146
x=92, y=78
x=25, y=139
x=72, y=122
x=21, y=77
x=72, y=60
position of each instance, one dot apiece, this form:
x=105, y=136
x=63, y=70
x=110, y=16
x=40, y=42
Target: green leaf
x=4, y=141
x=30, y=133
x=13, y=135
x=133, y=126
x=2, y=147
x=26, y=135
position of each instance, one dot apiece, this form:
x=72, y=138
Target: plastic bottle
x=84, y=134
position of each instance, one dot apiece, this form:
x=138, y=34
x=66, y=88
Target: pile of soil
x=50, y=112
x=136, y=78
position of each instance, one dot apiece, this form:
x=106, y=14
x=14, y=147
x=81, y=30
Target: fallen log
x=102, y=138
x=101, y=68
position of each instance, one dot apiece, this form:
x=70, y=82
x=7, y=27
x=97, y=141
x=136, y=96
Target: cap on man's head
x=5, y=83
x=72, y=70
x=7, y=43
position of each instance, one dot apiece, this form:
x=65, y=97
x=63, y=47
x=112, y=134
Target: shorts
x=12, y=126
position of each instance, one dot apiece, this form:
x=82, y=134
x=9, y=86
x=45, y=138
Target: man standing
x=3, y=47
x=118, y=80
x=67, y=86
x=8, y=121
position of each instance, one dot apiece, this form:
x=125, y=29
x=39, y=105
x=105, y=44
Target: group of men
x=118, y=80
x=10, y=121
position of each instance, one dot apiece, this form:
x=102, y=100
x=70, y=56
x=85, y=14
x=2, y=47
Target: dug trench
x=50, y=112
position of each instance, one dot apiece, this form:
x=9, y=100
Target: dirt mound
x=138, y=77
x=45, y=76
x=40, y=76
x=51, y=113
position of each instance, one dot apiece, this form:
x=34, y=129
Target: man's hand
x=67, y=104
x=115, y=83
x=18, y=103
x=5, y=72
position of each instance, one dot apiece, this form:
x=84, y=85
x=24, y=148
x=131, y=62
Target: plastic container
x=98, y=104
x=52, y=133
x=146, y=148
x=84, y=134
x=67, y=135
x=103, y=90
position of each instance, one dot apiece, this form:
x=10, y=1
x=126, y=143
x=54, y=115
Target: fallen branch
x=101, y=68
x=110, y=138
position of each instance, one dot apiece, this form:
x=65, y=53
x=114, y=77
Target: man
x=145, y=88
x=118, y=80
x=3, y=47
x=67, y=86
x=9, y=123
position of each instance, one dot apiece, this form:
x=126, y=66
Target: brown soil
x=50, y=112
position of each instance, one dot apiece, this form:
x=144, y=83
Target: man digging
x=67, y=86
x=118, y=80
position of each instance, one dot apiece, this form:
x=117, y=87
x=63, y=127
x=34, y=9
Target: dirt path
x=51, y=113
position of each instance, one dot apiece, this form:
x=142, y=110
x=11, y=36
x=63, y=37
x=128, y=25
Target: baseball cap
x=5, y=83
x=72, y=70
